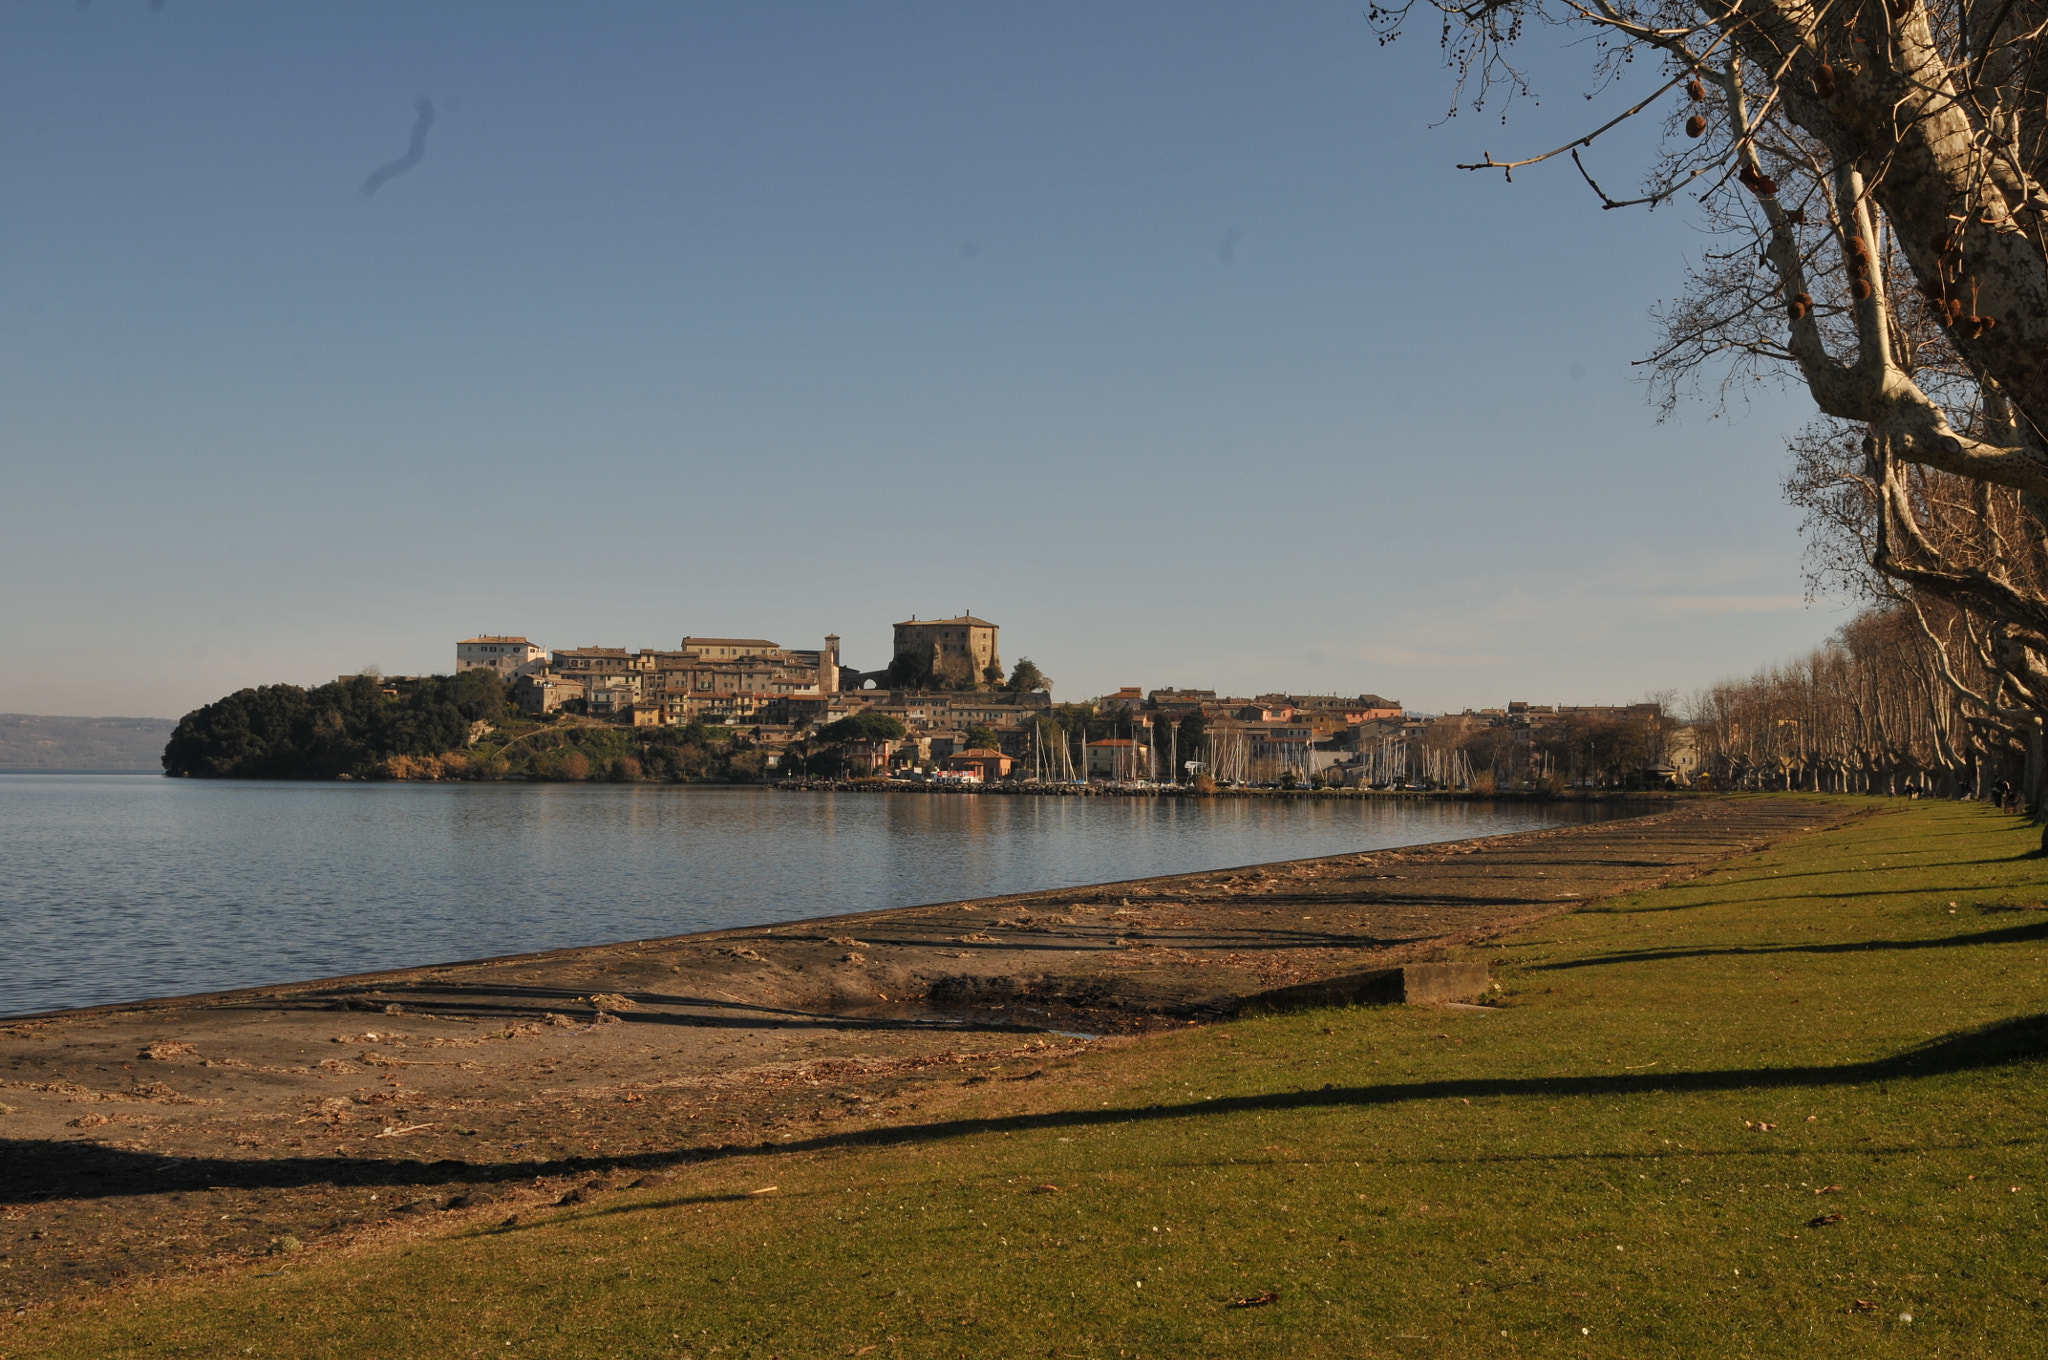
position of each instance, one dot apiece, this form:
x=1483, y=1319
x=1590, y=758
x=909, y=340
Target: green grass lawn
x=1792, y=1107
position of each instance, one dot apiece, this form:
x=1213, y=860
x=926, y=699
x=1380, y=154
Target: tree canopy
x=864, y=727
x=1026, y=678
x=347, y=727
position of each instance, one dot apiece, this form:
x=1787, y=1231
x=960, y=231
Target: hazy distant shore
x=32, y=743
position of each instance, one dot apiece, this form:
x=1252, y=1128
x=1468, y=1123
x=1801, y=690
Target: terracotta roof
x=592, y=651
x=486, y=637
x=729, y=642
x=964, y=618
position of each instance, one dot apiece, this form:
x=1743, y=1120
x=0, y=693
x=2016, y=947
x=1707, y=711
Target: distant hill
x=33, y=742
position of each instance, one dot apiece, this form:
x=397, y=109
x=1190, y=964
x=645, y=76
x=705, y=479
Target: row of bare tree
x=1884, y=707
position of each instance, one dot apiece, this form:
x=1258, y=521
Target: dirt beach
x=198, y=1132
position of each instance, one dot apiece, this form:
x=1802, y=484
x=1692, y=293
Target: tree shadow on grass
x=38, y=1169
x=2010, y=935
x=1931, y=890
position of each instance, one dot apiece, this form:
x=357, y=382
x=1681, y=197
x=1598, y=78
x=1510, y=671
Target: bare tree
x=1875, y=170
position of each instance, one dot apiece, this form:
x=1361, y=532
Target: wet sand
x=198, y=1132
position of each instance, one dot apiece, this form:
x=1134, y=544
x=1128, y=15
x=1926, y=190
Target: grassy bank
x=1778, y=1110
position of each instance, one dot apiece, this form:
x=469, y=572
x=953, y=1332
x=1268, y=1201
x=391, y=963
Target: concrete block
x=1416, y=984
x=1423, y=983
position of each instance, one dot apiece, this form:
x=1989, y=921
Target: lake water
x=122, y=887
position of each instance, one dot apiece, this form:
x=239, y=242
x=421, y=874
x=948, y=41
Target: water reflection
x=119, y=887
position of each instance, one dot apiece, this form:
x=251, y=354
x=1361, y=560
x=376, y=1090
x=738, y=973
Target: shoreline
x=1005, y=787
x=157, y=1137
x=1106, y=790
x=262, y=990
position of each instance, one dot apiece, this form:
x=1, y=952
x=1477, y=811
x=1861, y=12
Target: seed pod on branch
x=1822, y=81
x=1696, y=126
x=1860, y=289
x=1800, y=307
x=1695, y=89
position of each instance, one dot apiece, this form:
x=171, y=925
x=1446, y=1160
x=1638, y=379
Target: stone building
x=959, y=651
x=508, y=656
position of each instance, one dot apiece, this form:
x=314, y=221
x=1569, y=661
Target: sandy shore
x=143, y=1140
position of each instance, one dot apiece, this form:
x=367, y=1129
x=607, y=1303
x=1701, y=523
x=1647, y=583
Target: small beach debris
x=631, y=1098
x=160, y=1093
x=612, y=1001
x=606, y=1018
x=979, y=937
x=87, y=1121
x=1047, y=1189
x=558, y=1021
x=847, y=940
x=1823, y=1220
x=765, y=1190
x=166, y=1050
x=1257, y=1300
x=401, y=1130
x=394, y=1009
x=742, y=952
x=1827, y=1190
x=1759, y=1127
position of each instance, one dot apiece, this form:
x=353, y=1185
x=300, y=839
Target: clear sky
x=1164, y=335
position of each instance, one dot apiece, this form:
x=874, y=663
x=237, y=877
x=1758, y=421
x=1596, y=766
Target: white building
x=508, y=656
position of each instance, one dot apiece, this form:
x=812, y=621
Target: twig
x=1509, y=167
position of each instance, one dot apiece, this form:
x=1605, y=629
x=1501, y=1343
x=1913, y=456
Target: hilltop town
x=944, y=710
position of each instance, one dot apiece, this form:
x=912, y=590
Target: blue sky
x=1165, y=336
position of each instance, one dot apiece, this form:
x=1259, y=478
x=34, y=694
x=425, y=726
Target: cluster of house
x=943, y=683
x=727, y=681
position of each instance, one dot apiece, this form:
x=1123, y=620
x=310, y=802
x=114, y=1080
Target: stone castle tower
x=960, y=651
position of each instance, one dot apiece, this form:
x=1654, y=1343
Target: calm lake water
x=121, y=887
